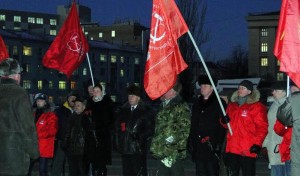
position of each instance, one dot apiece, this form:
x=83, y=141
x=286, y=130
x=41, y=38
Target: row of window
x=30, y=20
x=100, y=35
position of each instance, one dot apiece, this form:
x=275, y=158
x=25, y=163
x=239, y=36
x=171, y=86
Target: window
x=31, y=20
x=27, y=51
x=122, y=59
x=264, y=47
x=52, y=32
x=26, y=84
x=278, y=62
x=73, y=85
x=39, y=21
x=2, y=17
x=53, y=22
x=17, y=19
x=122, y=73
x=264, y=62
x=113, y=33
x=62, y=85
x=100, y=34
x=136, y=61
x=279, y=76
x=113, y=59
x=84, y=71
x=27, y=68
x=40, y=85
x=51, y=85
x=86, y=33
x=15, y=50
x=103, y=84
x=264, y=32
x=113, y=98
x=102, y=58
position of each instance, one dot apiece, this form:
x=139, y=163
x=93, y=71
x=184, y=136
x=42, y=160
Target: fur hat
x=248, y=84
x=10, y=66
x=204, y=79
x=279, y=86
x=134, y=90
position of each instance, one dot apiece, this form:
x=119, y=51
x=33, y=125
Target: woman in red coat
x=46, y=125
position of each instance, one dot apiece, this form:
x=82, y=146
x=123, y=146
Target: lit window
x=264, y=62
x=100, y=34
x=52, y=32
x=84, y=71
x=53, y=22
x=40, y=85
x=122, y=59
x=39, y=21
x=62, y=85
x=279, y=76
x=278, y=62
x=86, y=33
x=17, y=19
x=51, y=85
x=73, y=85
x=27, y=68
x=103, y=84
x=15, y=50
x=17, y=28
x=31, y=20
x=136, y=61
x=113, y=33
x=92, y=38
x=122, y=73
x=26, y=84
x=264, y=32
x=2, y=17
x=102, y=58
x=264, y=47
x=113, y=59
x=113, y=98
x=27, y=51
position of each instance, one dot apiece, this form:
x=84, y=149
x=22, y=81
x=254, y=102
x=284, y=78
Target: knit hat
x=10, y=66
x=279, y=86
x=248, y=84
x=80, y=99
x=40, y=96
x=204, y=79
x=134, y=90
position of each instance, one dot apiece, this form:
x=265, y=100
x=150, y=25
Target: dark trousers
x=208, y=167
x=58, y=164
x=177, y=169
x=76, y=166
x=236, y=162
x=134, y=165
x=43, y=166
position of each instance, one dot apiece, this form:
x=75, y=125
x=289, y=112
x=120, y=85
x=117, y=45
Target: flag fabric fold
x=287, y=44
x=164, y=60
x=3, y=50
x=69, y=47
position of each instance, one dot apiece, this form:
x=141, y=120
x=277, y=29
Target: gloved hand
x=255, y=149
x=225, y=119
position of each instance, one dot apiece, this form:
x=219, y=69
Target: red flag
x=164, y=61
x=3, y=50
x=69, y=47
x=287, y=45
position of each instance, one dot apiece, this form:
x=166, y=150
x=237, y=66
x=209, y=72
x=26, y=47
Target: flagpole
x=88, y=59
x=287, y=86
x=210, y=79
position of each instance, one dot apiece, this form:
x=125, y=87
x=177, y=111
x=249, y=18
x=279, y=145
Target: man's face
x=243, y=91
x=294, y=89
x=71, y=100
x=78, y=107
x=206, y=90
x=277, y=94
x=133, y=100
x=97, y=92
x=169, y=95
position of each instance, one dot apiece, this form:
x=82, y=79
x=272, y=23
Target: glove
x=225, y=119
x=255, y=149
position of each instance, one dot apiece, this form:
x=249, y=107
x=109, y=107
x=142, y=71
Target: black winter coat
x=98, y=125
x=18, y=134
x=64, y=117
x=133, y=129
x=206, y=135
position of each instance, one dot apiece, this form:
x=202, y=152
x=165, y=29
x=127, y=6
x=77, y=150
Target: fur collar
x=252, y=98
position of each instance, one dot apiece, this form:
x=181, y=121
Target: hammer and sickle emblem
x=154, y=37
x=73, y=44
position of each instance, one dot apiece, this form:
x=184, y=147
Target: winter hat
x=204, y=79
x=134, y=90
x=279, y=86
x=80, y=99
x=10, y=66
x=73, y=93
x=248, y=84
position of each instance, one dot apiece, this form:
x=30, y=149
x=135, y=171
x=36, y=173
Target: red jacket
x=249, y=125
x=285, y=146
x=46, y=130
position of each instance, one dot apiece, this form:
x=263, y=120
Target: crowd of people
x=84, y=131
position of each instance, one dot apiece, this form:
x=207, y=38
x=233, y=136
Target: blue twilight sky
x=225, y=19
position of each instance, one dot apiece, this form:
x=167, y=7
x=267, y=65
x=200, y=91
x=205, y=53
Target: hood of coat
x=252, y=98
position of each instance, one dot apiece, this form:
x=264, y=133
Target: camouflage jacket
x=171, y=120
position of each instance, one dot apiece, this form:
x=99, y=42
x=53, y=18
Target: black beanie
x=204, y=79
x=134, y=90
x=247, y=84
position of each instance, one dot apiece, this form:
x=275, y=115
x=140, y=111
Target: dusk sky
x=225, y=19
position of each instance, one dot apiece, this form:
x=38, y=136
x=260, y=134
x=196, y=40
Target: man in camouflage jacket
x=171, y=132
